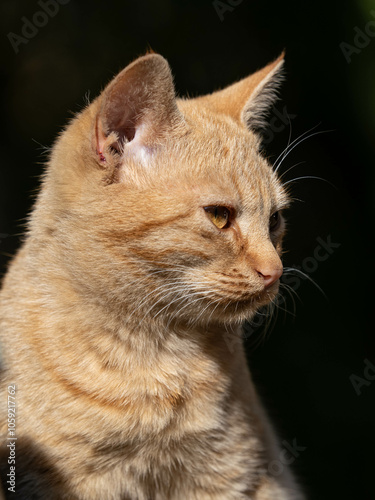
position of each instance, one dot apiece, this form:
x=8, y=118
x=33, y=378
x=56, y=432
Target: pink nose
x=270, y=275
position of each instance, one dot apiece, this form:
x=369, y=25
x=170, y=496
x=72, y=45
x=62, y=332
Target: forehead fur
x=215, y=154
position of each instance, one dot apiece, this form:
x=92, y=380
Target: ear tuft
x=264, y=95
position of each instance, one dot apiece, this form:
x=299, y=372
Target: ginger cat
x=158, y=225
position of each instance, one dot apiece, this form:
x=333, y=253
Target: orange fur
x=114, y=312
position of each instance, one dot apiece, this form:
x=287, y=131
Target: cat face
x=182, y=218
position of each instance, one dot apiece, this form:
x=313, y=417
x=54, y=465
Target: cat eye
x=218, y=216
x=274, y=221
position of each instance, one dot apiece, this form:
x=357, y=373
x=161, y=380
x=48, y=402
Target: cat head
x=166, y=206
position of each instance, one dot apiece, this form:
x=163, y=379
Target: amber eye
x=218, y=216
x=274, y=221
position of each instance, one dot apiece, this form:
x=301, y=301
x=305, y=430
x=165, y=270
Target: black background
x=303, y=369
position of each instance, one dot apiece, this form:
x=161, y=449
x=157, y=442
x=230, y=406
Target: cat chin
x=260, y=299
x=245, y=309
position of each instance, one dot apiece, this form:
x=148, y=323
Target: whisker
x=284, y=309
x=292, y=146
x=176, y=300
x=271, y=321
x=295, y=270
x=214, y=309
x=293, y=166
x=309, y=177
x=163, y=294
x=162, y=291
x=290, y=293
x=258, y=333
x=178, y=312
x=290, y=289
x=207, y=306
x=144, y=300
x=285, y=150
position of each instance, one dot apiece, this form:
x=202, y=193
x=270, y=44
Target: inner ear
x=116, y=125
x=137, y=110
x=122, y=114
x=123, y=124
x=111, y=138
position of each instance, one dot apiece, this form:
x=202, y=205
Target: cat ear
x=249, y=100
x=138, y=108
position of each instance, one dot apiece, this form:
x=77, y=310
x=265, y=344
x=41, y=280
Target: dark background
x=304, y=367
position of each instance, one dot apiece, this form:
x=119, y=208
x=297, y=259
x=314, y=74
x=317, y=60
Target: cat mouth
x=257, y=301
x=241, y=308
x=260, y=298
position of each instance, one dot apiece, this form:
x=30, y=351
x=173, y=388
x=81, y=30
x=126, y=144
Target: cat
x=158, y=226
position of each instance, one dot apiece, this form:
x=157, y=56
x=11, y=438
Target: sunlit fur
x=114, y=312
